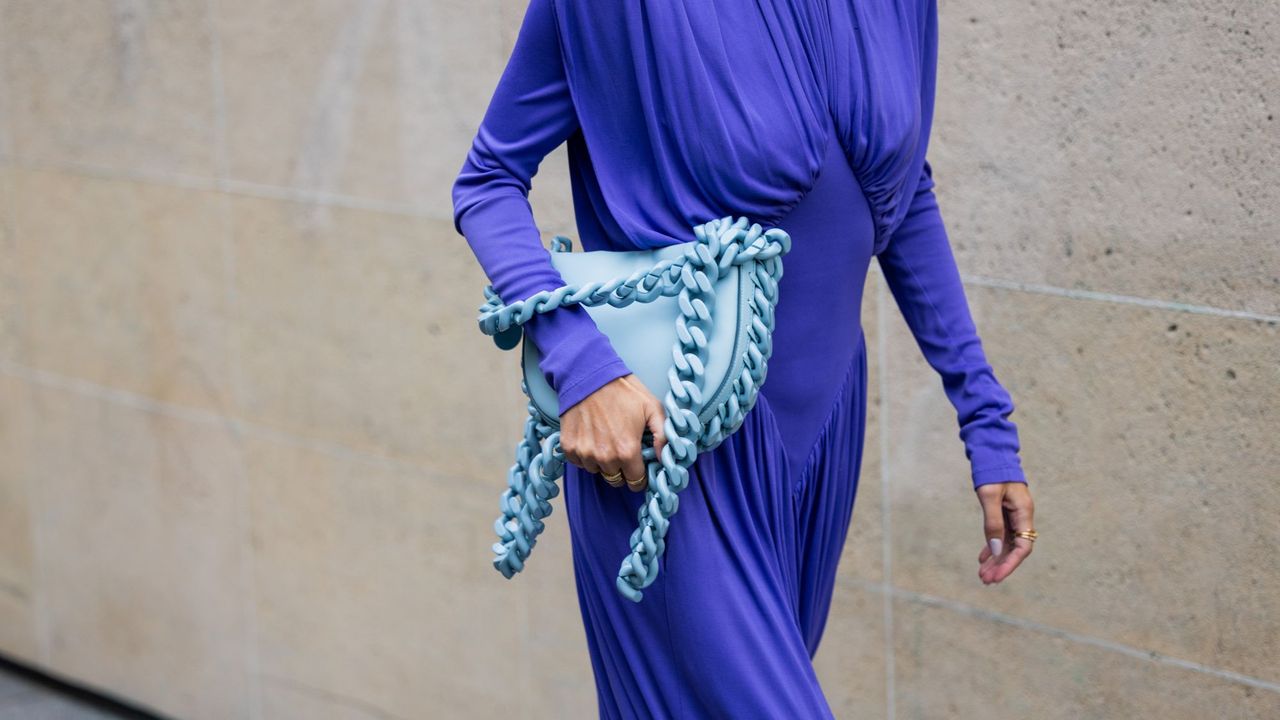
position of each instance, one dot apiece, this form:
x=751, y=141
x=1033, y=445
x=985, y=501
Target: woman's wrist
x=576, y=357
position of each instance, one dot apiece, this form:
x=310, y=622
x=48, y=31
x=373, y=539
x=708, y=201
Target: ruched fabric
x=810, y=115
x=731, y=627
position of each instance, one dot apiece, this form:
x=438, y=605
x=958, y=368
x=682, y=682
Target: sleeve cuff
x=587, y=383
x=999, y=474
x=576, y=357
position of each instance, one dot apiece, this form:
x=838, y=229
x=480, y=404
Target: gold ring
x=1028, y=534
x=614, y=479
x=632, y=483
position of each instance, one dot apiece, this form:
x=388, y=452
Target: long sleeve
x=920, y=269
x=530, y=114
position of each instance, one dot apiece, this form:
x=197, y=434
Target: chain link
x=532, y=481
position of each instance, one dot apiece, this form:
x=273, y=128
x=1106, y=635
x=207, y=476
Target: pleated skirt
x=730, y=627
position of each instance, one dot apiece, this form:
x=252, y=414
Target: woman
x=809, y=115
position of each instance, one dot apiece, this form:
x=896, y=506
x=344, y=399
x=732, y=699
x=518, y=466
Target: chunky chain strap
x=531, y=482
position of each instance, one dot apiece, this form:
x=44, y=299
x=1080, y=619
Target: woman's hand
x=1006, y=509
x=604, y=432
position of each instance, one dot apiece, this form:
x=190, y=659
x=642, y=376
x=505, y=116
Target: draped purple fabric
x=810, y=115
x=693, y=111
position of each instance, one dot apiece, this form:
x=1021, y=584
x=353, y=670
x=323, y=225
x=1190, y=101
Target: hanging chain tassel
x=692, y=277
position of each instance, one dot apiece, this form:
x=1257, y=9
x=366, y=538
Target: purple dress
x=809, y=115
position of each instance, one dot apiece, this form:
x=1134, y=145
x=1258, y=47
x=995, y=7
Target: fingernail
x=994, y=544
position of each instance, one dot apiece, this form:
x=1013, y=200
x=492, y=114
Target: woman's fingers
x=604, y=433
x=656, y=424
x=637, y=469
x=1020, y=511
x=1006, y=508
x=613, y=474
x=633, y=465
x=993, y=526
x=591, y=466
x=1011, y=560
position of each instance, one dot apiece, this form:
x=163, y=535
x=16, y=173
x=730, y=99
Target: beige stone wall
x=232, y=306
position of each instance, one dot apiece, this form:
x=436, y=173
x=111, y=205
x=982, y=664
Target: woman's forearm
x=920, y=270
x=530, y=114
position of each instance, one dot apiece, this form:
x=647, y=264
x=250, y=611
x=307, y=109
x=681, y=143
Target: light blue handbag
x=694, y=322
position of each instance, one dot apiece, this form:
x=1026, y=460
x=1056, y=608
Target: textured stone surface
x=6, y=148
x=121, y=283
x=18, y=609
x=1123, y=147
x=126, y=85
x=374, y=585
x=10, y=272
x=957, y=665
x=562, y=684
x=251, y=442
x=286, y=700
x=377, y=100
x=357, y=327
x=851, y=659
x=1149, y=439
x=863, y=556
x=134, y=522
